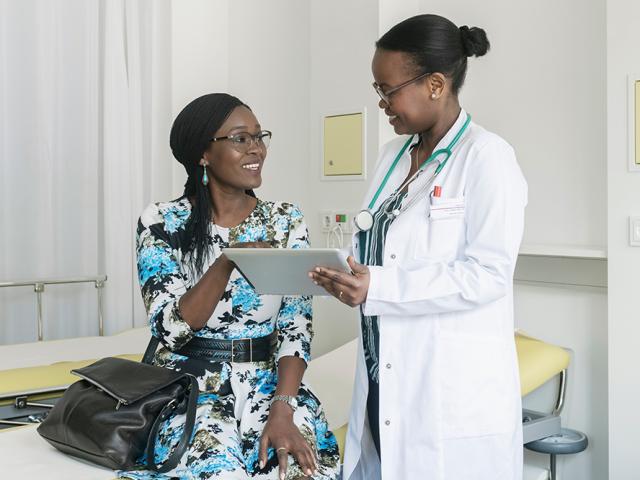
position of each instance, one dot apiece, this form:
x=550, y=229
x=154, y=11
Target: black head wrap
x=193, y=128
x=190, y=136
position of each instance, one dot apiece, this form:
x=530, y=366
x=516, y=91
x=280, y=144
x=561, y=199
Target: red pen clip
x=437, y=191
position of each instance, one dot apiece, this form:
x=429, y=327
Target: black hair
x=190, y=137
x=436, y=44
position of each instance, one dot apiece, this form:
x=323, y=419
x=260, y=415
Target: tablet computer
x=285, y=271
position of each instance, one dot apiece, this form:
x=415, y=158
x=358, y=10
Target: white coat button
x=393, y=256
x=388, y=365
x=387, y=422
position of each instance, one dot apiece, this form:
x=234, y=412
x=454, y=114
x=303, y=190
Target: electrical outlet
x=344, y=218
x=327, y=221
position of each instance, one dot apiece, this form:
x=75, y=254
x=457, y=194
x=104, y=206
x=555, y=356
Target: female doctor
x=437, y=389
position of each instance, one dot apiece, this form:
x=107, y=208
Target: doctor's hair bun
x=435, y=44
x=474, y=41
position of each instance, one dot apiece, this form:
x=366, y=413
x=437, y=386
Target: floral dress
x=233, y=404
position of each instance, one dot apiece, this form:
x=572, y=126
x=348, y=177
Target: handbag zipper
x=121, y=401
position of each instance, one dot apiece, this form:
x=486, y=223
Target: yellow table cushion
x=44, y=377
x=341, y=437
x=538, y=362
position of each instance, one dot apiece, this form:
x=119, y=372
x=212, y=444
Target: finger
x=340, y=292
x=314, y=458
x=324, y=282
x=312, y=454
x=283, y=457
x=357, y=268
x=304, y=460
x=262, y=455
x=344, y=279
x=311, y=460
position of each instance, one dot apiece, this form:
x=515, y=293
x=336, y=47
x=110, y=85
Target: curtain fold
x=84, y=118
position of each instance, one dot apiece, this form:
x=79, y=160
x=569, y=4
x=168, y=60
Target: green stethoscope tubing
x=442, y=151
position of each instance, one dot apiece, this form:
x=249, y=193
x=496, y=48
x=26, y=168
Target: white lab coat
x=449, y=386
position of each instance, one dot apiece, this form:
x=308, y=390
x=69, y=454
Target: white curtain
x=85, y=110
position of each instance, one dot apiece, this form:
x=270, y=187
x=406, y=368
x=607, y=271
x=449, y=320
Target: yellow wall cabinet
x=344, y=145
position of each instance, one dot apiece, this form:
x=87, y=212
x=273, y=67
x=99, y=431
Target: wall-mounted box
x=344, y=145
x=634, y=122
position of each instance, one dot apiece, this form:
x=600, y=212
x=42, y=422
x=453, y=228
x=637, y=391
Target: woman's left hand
x=350, y=289
x=282, y=434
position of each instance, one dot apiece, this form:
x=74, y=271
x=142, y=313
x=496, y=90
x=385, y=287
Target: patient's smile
x=252, y=166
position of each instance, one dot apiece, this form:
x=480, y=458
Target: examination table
x=23, y=454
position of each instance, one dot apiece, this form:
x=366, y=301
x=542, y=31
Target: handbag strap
x=176, y=455
x=150, y=351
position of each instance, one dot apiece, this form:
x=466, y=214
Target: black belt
x=242, y=350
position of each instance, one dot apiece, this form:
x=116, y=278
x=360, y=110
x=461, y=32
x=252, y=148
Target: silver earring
x=433, y=95
x=205, y=179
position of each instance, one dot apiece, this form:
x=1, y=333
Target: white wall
x=269, y=70
x=199, y=55
x=623, y=27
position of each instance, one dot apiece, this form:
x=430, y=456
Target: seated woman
x=255, y=418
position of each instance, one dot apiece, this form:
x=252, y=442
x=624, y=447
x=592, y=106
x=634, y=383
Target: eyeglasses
x=385, y=96
x=242, y=141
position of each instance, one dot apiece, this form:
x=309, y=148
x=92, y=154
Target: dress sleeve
x=162, y=285
x=496, y=195
x=294, y=320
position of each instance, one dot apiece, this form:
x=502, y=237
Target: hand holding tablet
x=285, y=271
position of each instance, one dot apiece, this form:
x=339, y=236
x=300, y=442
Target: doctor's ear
x=436, y=83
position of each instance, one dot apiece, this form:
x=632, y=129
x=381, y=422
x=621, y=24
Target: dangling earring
x=205, y=178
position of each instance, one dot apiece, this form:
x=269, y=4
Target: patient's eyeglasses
x=386, y=96
x=242, y=141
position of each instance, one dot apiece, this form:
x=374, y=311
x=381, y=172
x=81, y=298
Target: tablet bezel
x=254, y=263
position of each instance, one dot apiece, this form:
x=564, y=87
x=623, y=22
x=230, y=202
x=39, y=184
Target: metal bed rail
x=39, y=286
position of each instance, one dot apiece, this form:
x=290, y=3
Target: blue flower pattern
x=245, y=296
x=175, y=216
x=155, y=262
x=234, y=400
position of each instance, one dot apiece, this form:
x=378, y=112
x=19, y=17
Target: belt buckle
x=250, y=350
x=232, y=359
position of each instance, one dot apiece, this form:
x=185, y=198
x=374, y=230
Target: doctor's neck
x=445, y=118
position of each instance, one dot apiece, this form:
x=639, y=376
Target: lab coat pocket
x=445, y=230
x=477, y=387
x=446, y=208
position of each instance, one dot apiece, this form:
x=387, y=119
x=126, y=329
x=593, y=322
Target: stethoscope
x=364, y=219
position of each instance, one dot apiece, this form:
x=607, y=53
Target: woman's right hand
x=198, y=304
x=223, y=257
x=282, y=434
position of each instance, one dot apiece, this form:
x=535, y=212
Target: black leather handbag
x=112, y=415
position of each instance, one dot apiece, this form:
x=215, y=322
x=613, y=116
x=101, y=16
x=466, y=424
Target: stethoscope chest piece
x=364, y=220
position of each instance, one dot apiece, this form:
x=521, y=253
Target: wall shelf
x=566, y=265
x=564, y=251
